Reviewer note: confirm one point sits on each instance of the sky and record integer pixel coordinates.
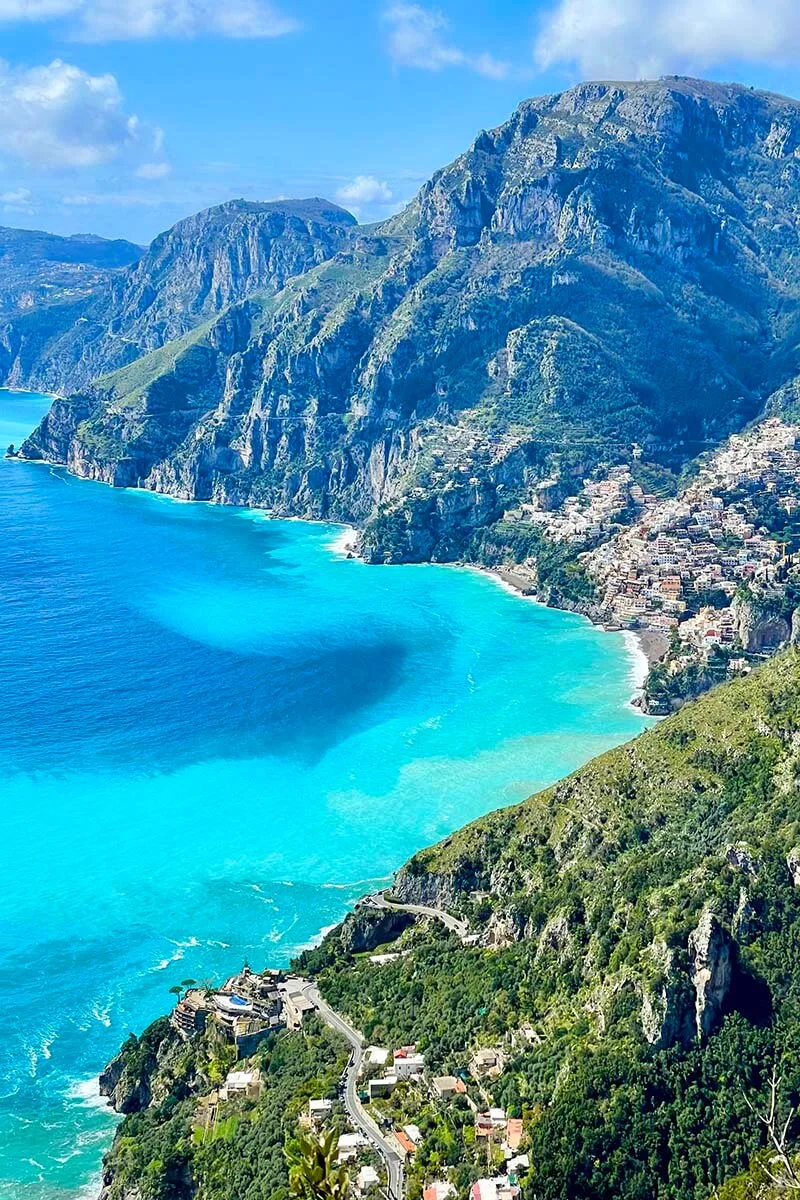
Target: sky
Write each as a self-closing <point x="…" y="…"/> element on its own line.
<point x="119" y="117"/>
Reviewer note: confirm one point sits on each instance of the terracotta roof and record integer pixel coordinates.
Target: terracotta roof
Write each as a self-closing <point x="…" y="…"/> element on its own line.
<point x="405" y="1141"/>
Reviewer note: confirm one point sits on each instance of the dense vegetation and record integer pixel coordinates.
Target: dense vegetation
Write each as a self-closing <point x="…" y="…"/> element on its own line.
<point x="638" y="967"/>
<point x="169" y="1151"/>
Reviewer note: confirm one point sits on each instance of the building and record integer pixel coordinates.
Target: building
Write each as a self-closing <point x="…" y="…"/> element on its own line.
<point x="483" y="1125"/>
<point x="241" y="1083"/>
<point x="413" y="1133"/>
<point x="319" y="1111"/>
<point x="405" y="1145"/>
<point x="440" y="1189"/>
<point x="376" y="1056"/>
<point x="190" y="1014"/>
<point x="349" y="1146"/>
<point x="410" y="1066"/>
<point x="448" y="1086"/>
<point x="296" y="1005"/>
<point x="500" y="1188"/>
<point x="486" y="1062"/>
<point x="367" y="1178"/>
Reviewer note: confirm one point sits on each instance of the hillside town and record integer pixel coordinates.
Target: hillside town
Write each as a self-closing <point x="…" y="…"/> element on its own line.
<point x="676" y="564"/>
<point x="390" y="1105"/>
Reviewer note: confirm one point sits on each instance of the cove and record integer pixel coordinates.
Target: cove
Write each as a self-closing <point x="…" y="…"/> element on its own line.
<point x="215" y="734"/>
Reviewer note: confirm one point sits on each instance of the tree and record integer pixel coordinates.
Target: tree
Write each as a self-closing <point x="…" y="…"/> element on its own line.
<point x="781" y="1170"/>
<point x="313" y="1174"/>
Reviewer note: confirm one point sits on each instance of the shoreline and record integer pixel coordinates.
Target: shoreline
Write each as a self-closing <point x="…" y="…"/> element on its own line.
<point x="645" y="647"/>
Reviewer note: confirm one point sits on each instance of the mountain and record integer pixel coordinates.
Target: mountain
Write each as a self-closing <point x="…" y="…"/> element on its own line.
<point x="631" y="962"/>
<point x="40" y="268"/>
<point x="188" y="274"/>
<point x="612" y="268"/>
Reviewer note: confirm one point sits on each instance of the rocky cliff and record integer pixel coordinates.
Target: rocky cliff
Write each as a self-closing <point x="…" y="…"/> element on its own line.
<point x="190" y="273"/>
<point x="615" y="264"/>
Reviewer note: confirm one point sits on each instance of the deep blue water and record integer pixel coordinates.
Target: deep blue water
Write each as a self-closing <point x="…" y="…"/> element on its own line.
<point x="215" y="733"/>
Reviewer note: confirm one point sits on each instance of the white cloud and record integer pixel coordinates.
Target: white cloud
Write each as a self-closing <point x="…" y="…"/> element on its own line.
<point x="417" y="38"/>
<point x="61" y="116"/>
<point x="365" y="189"/>
<point x="129" y="20"/>
<point x="646" y="38"/>
<point x="19" y="197"/>
<point x="154" y="170"/>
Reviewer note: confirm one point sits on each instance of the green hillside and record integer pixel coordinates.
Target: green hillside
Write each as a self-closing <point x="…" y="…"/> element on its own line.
<point x="633" y="957"/>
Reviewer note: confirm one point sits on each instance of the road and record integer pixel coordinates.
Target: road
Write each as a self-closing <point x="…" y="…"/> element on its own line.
<point x="380" y="900"/>
<point x="355" y="1110"/>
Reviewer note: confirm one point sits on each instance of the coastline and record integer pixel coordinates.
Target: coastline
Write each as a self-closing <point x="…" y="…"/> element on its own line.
<point x="645" y="646"/>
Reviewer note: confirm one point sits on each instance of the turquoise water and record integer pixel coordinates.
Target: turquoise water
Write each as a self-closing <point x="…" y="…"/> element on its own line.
<point x="215" y="733"/>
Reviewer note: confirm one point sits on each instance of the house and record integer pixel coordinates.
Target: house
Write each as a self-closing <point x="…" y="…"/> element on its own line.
<point x="498" y="1118"/>
<point x="488" y="1061"/>
<point x="349" y="1146"/>
<point x="408" y="1066"/>
<point x="241" y="1083"/>
<point x="367" y="1178"/>
<point x="413" y="1133"/>
<point x="319" y="1110"/>
<point x="405" y="1144"/>
<point x="448" y="1086"/>
<point x="381" y="1088"/>
<point x="514" y="1133"/>
<point x="440" y="1189"/>
<point x="295" y="1004"/>
<point x="494" y="1189"/>
<point x="483" y="1125"/>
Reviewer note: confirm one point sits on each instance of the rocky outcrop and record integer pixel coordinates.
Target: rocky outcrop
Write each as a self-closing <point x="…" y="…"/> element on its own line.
<point x="188" y="275"/>
<point x="741" y="858"/>
<point x="711" y="971"/>
<point x="793" y="863"/>
<point x="139" y="1074"/>
<point x="366" y="928"/>
<point x="415" y="884"/>
<point x="758" y="627"/>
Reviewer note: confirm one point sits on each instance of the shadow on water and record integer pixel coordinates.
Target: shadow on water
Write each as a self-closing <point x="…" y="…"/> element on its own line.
<point x="202" y="703"/>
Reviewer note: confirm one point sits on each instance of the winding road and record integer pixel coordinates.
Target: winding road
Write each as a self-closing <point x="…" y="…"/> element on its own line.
<point x="380" y="900"/>
<point x="355" y="1110"/>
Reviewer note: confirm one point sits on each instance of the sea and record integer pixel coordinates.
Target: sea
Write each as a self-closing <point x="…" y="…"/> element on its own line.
<point x="217" y="731"/>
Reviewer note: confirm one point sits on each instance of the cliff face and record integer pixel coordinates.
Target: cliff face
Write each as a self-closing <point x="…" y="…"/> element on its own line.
<point x="190" y="273"/>
<point x="615" y="264"/>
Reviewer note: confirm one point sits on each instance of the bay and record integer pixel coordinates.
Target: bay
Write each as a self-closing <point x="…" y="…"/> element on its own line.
<point x="216" y="732"/>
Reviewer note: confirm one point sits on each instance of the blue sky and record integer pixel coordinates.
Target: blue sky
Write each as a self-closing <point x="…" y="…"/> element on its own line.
<point x="120" y="116"/>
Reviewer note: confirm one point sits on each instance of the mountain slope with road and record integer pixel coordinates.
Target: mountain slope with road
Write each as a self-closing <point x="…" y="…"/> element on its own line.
<point x="615" y="963"/>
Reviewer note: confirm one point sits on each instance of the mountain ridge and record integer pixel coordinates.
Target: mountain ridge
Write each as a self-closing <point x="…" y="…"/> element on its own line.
<point x="471" y="326"/>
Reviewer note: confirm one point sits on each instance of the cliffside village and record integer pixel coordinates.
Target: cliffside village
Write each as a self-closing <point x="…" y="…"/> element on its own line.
<point x="392" y="1086"/>
<point x="656" y="560"/>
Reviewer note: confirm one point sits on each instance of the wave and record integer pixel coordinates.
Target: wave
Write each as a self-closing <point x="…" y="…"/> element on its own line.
<point x="317" y="938"/>
<point x="180" y="951"/>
